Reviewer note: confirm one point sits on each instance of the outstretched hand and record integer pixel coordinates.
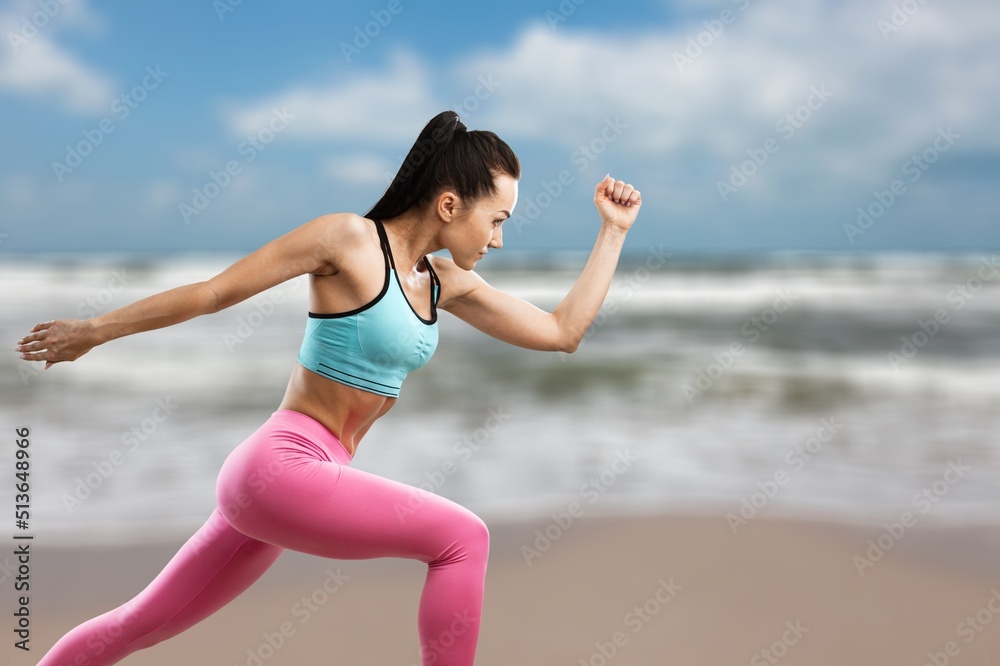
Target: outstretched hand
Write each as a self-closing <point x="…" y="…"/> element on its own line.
<point x="57" y="340"/>
<point x="617" y="202"/>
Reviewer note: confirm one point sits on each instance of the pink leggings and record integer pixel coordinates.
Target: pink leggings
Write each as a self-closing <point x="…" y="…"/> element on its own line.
<point x="289" y="485"/>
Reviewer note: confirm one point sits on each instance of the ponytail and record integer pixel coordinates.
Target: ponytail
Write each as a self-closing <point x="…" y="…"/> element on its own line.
<point x="447" y="156"/>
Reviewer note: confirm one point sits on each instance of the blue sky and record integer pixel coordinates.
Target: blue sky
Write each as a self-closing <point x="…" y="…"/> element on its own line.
<point x="746" y="125"/>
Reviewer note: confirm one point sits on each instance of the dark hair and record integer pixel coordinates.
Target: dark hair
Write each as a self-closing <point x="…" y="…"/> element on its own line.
<point x="447" y="155"/>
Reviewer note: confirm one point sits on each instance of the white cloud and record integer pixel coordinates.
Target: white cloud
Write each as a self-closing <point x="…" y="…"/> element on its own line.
<point x="558" y="87"/>
<point x="360" y="169"/>
<point x="33" y="64"/>
<point x="387" y="107"/>
<point x="889" y="95"/>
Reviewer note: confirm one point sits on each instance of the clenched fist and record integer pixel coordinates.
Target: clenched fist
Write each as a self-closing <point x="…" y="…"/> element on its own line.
<point x="617" y="202"/>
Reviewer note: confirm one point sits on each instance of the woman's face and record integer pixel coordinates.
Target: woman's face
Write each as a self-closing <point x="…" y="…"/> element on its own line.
<point x="481" y="228"/>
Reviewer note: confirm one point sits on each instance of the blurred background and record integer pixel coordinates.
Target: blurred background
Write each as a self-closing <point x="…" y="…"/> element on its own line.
<point x="802" y="332"/>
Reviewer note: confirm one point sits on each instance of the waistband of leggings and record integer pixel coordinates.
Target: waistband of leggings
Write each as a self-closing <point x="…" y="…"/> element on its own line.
<point x="313" y="429"/>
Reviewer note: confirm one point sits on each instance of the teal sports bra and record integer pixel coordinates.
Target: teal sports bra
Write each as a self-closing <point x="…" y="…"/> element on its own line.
<point x="373" y="347"/>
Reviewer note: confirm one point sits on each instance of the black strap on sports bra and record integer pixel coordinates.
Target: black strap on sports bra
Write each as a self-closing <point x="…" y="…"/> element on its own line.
<point x="435" y="282"/>
<point x="384" y="238"/>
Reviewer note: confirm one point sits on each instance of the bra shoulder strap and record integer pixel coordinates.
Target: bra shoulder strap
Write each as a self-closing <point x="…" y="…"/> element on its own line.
<point x="435" y="281"/>
<point x="386" y="250"/>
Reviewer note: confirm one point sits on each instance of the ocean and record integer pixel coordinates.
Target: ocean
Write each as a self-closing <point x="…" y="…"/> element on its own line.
<point x="851" y="387"/>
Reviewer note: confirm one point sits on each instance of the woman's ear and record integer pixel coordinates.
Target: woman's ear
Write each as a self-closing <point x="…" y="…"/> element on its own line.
<point x="448" y="205"/>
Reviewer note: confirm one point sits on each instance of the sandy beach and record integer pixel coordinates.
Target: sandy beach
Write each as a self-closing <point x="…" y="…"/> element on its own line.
<point x="640" y="590"/>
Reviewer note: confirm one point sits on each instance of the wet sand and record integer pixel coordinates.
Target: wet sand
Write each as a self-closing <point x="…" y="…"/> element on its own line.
<point x="641" y="590"/>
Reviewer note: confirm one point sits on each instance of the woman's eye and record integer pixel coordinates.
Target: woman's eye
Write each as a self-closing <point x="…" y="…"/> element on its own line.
<point x="496" y="223"/>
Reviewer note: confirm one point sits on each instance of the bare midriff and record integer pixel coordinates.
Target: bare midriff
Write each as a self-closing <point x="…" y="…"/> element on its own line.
<point x="347" y="412"/>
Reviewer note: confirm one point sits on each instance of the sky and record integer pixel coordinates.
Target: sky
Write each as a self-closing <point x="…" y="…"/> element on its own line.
<point x="746" y="125"/>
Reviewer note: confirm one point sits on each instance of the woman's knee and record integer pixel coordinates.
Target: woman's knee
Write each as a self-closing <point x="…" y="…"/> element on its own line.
<point x="476" y="532"/>
<point x="467" y="537"/>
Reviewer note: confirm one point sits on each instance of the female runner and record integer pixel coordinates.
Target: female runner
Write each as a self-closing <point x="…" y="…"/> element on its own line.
<point x="374" y="294"/>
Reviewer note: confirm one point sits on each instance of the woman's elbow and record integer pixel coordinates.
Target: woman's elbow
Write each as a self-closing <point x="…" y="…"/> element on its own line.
<point x="568" y="344"/>
<point x="209" y="300"/>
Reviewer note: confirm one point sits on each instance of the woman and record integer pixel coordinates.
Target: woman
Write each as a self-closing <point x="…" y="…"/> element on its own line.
<point x="374" y="295"/>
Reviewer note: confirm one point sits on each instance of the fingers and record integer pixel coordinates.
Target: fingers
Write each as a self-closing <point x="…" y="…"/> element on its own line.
<point x="35" y="356"/>
<point x="619" y="191"/>
<point x="32" y="342"/>
<point x="35" y="344"/>
<point x="52" y="342"/>
<point x="606" y="186"/>
<point x="37" y="333"/>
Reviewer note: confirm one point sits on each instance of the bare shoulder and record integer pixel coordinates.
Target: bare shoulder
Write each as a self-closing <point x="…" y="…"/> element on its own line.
<point x="338" y="236"/>
<point x="456" y="283"/>
<point x="338" y="228"/>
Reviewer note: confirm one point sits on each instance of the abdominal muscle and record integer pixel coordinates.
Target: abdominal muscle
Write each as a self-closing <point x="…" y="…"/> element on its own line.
<point x="346" y="412"/>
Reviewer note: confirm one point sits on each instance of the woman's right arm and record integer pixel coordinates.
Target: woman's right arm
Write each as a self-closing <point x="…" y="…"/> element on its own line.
<point x="313" y="247"/>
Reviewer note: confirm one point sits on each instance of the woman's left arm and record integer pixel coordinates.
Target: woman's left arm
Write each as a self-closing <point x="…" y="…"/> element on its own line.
<point x="514" y="320"/>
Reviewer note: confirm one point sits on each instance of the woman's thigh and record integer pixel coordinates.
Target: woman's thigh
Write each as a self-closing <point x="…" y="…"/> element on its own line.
<point x="290" y="486"/>
<point x="332" y="510"/>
